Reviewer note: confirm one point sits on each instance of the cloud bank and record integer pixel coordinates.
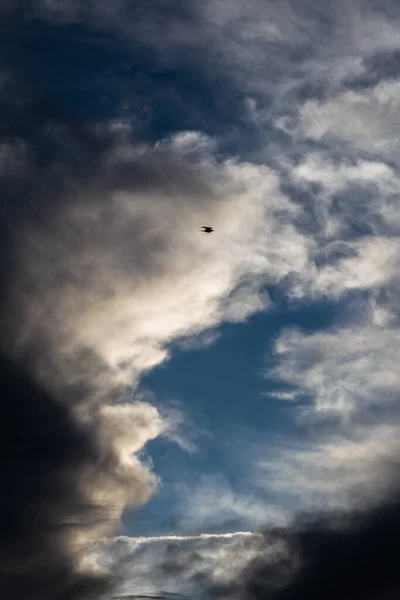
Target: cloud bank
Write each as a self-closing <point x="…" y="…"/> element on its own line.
<point x="103" y="267"/>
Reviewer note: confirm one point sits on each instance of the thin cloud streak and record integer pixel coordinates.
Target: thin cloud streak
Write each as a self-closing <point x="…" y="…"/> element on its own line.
<point x="200" y="536"/>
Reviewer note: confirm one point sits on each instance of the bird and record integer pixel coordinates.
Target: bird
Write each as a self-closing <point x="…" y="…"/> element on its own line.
<point x="207" y="229"/>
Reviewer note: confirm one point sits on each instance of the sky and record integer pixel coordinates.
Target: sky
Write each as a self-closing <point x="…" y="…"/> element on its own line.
<point x="213" y="416"/>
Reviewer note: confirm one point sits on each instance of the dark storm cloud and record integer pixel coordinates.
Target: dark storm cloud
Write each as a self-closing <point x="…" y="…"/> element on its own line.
<point x="379" y="67"/>
<point x="52" y="465"/>
<point x="43" y="455"/>
<point x="351" y="557"/>
<point x="65" y="476"/>
<point x="161" y="92"/>
<point x="48" y="519"/>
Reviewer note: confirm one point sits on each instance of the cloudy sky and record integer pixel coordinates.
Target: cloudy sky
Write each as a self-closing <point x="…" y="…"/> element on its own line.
<point x="179" y="409"/>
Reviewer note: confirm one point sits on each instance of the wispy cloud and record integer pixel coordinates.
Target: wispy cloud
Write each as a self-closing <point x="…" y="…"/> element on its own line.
<point x="349" y="376"/>
<point x="213" y="502"/>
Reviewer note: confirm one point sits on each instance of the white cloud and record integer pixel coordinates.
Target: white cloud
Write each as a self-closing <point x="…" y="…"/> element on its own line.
<point x="368" y="119"/>
<point x="350" y="190"/>
<point x="374" y="265"/>
<point x="349" y="377"/>
<point x="343" y="370"/>
<point x="120" y="478"/>
<point x="317" y="168"/>
<point x="349" y="469"/>
<point x="288" y="396"/>
<point x="127" y="271"/>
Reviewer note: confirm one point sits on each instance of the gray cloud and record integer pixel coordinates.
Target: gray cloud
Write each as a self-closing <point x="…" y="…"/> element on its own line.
<point x="102" y="271"/>
<point x="193" y="566"/>
<point x="69" y="453"/>
<point x="349" y="555"/>
<point x="336" y="555"/>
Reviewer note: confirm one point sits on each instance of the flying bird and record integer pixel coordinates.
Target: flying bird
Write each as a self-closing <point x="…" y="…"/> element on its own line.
<point x="207" y="229"/>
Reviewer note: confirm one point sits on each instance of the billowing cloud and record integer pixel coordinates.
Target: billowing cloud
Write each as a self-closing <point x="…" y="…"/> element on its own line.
<point x="132" y="236"/>
<point x="104" y="266"/>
